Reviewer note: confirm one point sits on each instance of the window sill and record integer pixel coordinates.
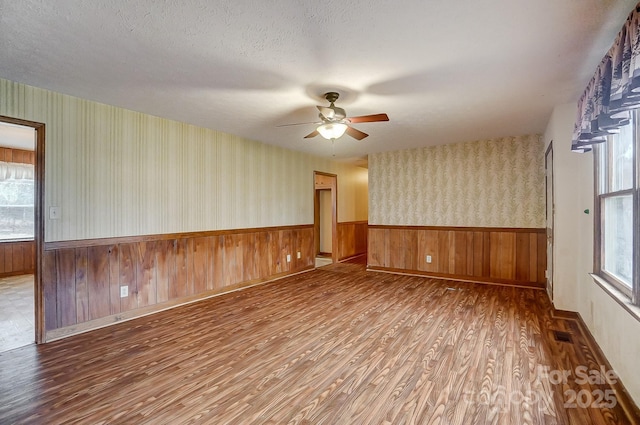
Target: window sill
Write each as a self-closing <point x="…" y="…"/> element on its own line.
<point x="16" y="240"/>
<point x="617" y="295"/>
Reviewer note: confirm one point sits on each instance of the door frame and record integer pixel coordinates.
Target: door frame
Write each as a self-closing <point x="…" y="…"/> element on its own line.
<point x="38" y="235"/>
<point x="549" y="205"/>
<point x="325" y="181"/>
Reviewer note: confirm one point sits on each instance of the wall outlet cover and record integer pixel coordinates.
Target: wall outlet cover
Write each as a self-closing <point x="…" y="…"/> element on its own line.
<point x="124" y="291"/>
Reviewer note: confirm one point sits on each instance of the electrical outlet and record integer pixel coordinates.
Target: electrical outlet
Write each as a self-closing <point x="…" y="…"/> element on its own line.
<point x="124" y="291"/>
<point x="299" y="256"/>
<point x="428" y="259"/>
<point x="288" y="258"/>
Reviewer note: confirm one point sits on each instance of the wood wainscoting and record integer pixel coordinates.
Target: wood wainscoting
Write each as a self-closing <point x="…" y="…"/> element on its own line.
<point x="352" y="239"/>
<point x="515" y="256"/>
<point x="82" y="279"/>
<point x="17" y="258"/>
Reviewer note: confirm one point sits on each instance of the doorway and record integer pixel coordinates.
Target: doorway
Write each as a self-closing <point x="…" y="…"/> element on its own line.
<point x="548" y="165"/>
<point x="325" y="217"/>
<point x="326" y="245"/>
<point x="22" y="156"/>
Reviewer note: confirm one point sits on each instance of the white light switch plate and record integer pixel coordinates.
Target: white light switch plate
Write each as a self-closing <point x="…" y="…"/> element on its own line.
<point x="124" y="291"/>
<point x="54" y="213"/>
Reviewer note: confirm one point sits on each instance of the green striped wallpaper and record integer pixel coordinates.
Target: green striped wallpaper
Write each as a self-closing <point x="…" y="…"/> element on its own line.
<point x="115" y="172"/>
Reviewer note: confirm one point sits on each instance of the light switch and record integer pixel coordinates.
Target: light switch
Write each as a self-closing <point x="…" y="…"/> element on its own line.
<point x="54" y="213"/>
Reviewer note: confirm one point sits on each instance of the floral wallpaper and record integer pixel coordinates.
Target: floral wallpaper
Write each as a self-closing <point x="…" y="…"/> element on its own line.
<point x="487" y="183"/>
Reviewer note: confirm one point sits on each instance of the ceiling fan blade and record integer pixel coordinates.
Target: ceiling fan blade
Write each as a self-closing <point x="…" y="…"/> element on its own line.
<point x="326" y="112"/>
<point x="369" y="118"/>
<point x="299" y="123"/>
<point x="356" y="134"/>
<point x="314" y="133"/>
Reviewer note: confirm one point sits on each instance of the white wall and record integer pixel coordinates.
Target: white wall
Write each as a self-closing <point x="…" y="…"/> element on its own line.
<point x="615" y="330"/>
<point x="115" y="172"/>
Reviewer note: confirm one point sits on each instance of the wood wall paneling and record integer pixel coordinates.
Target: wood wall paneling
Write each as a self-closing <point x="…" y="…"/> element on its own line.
<point x="179" y="288"/>
<point x="377" y="248"/>
<point x="127" y="273"/>
<point x="523" y="257"/>
<point x="17" y="258"/>
<point x="263" y="254"/>
<point x="82" y="284"/>
<point x="50" y="289"/>
<point x="165" y="269"/>
<point x="99" y="292"/>
<point x="114" y="278"/>
<point x="541" y="258"/>
<point x="352" y="239"/>
<point x="146" y="273"/>
<point x="444" y="251"/>
<point x="249" y="251"/>
<point x="503" y="255"/>
<point x="198" y="269"/>
<point x="217" y="252"/>
<point x="82" y="292"/>
<point x="285" y="248"/>
<point x="66" y="287"/>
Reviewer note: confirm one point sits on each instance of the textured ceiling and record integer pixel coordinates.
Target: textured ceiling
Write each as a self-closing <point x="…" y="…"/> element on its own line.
<point x="444" y="71"/>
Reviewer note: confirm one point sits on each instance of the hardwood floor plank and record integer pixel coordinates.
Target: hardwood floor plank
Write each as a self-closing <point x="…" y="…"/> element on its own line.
<point x="332" y="346"/>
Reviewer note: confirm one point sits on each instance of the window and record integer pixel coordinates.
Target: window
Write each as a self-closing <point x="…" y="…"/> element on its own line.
<point x="616" y="204"/>
<point x="16" y="201"/>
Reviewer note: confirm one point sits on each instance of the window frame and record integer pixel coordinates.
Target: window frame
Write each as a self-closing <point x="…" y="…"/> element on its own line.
<point x="600" y="194"/>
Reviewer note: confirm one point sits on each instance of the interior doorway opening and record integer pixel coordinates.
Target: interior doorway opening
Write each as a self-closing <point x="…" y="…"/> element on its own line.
<point x="21" y="232"/>
<point x="325" y="223"/>
<point x="548" y="163"/>
<point x="326" y="246"/>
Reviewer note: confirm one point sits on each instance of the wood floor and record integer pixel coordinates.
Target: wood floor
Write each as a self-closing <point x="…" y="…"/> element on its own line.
<point x="17" y="327"/>
<point x="337" y="345"/>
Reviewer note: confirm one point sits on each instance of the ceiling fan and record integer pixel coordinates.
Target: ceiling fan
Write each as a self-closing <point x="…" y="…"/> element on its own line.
<point x="334" y="121"/>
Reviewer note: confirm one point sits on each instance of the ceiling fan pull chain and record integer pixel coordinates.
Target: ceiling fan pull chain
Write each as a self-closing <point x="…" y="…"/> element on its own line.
<point x="333" y="147"/>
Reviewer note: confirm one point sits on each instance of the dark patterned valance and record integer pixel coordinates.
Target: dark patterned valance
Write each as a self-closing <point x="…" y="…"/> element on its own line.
<point x="613" y="91"/>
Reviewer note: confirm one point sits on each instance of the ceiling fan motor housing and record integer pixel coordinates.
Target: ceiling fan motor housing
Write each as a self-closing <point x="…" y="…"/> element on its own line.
<point x="331" y="96"/>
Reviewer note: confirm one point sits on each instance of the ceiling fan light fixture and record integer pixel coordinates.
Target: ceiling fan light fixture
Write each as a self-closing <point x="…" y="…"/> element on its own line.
<point x="332" y="130"/>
